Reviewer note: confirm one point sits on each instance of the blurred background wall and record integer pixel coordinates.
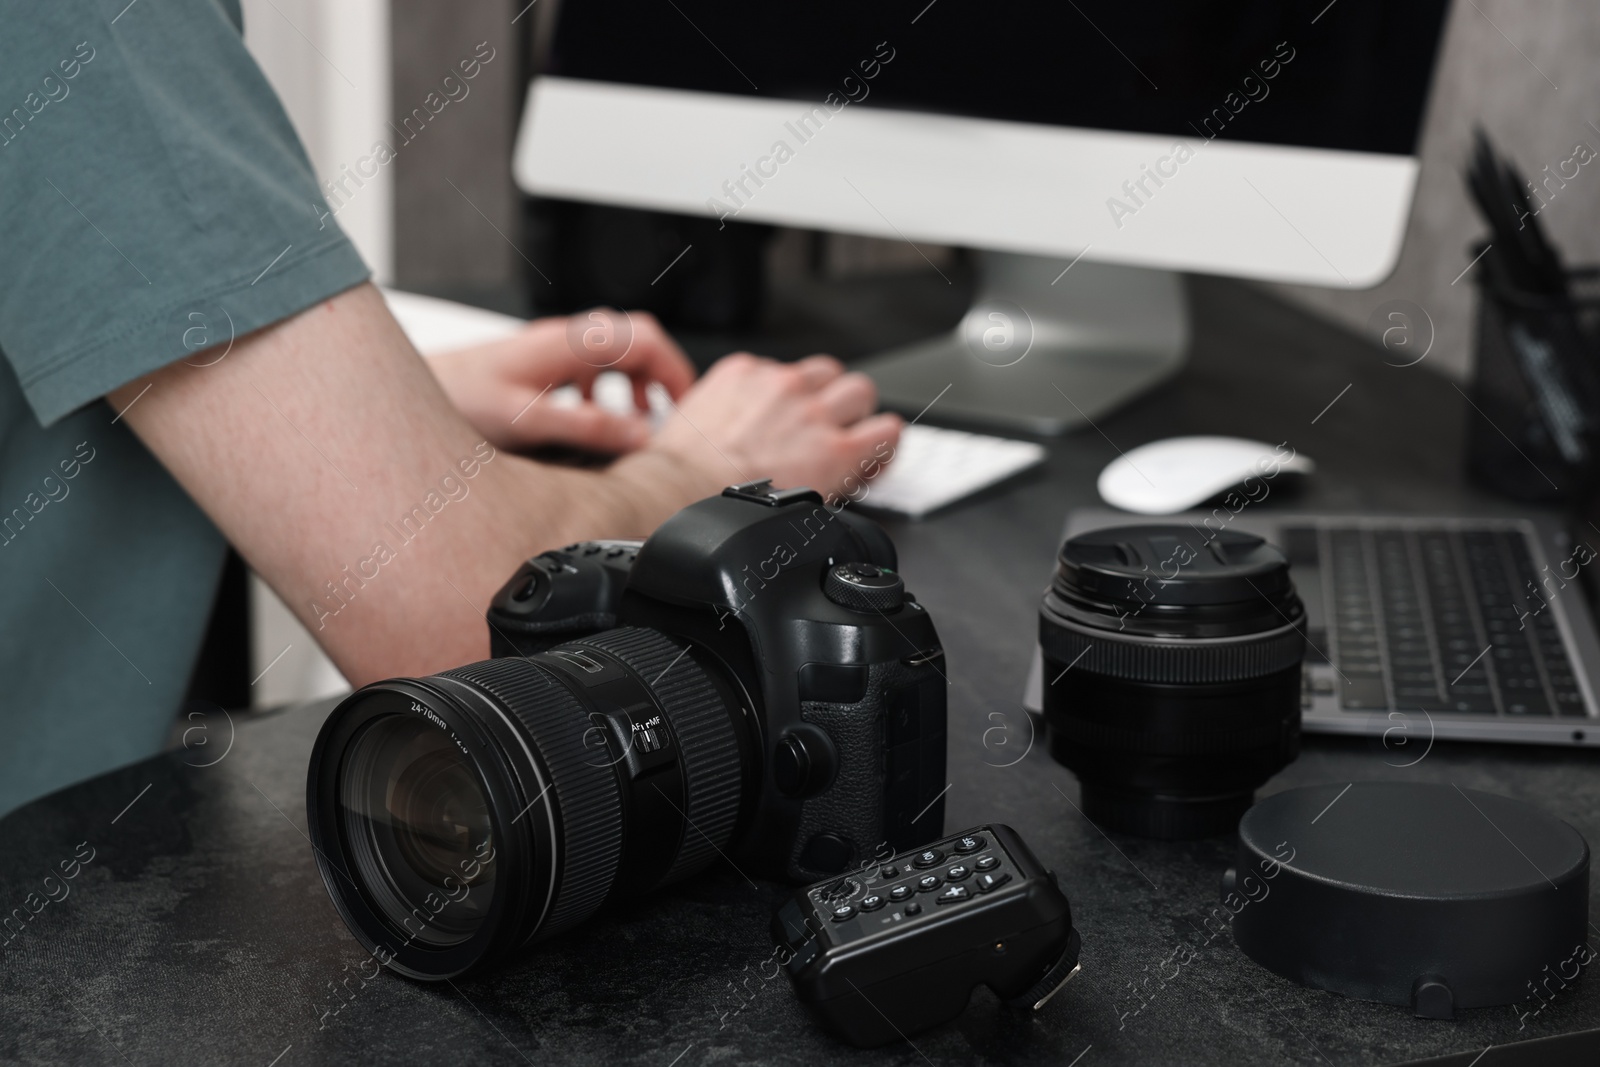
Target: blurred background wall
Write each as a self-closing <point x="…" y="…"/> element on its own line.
<point x="330" y="62"/>
<point x="1525" y="70"/>
<point x="457" y="215"/>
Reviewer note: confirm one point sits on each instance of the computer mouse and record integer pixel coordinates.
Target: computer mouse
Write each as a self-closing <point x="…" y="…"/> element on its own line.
<point x="1173" y="475"/>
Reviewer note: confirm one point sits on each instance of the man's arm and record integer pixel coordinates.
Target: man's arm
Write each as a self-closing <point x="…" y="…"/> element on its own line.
<point x="328" y="454"/>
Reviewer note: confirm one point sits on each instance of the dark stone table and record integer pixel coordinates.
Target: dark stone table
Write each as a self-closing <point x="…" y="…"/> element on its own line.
<point x="195" y="929"/>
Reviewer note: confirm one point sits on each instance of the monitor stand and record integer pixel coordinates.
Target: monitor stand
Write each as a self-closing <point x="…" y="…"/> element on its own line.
<point x="1040" y="350"/>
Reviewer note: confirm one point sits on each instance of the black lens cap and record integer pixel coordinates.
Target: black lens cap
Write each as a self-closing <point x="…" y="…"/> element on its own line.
<point x="1432" y="897"/>
<point x="1173" y="564"/>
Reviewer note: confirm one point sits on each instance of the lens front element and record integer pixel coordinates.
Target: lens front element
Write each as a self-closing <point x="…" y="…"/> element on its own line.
<point x="417" y="819"/>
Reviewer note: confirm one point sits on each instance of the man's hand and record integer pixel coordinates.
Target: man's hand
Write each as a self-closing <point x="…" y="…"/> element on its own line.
<point x="806" y="423"/>
<point x="495" y="385"/>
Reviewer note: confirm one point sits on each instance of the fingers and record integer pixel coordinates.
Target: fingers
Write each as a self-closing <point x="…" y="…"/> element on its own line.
<point x="803" y="423"/>
<point x="584" y="426"/>
<point x="818" y="371"/>
<point x="541" y="353"/>
<point x="877" y="438"/>
<point x="649" y="354"/>
<point x="848" y="398"/>
<point x="596" y="340"/>
<point x="493" y="383"/>
<point x="866" y="449"/>
<point x="805" y="375"/>
<point x="661" y="358"/>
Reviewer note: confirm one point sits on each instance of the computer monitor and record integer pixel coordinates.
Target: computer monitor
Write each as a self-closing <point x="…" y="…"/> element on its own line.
<point x="1089" y="149"/>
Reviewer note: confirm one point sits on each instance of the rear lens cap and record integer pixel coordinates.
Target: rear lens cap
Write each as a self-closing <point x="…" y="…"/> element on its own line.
<point x="1431" y="897"/>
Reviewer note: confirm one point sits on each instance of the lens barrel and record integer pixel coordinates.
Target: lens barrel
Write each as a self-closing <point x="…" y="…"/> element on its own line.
<point x="461" y="816"/>
<point x="1171" y="675"/>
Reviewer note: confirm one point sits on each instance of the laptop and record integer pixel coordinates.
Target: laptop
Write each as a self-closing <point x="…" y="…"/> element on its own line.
<point x="1458" y="628"/>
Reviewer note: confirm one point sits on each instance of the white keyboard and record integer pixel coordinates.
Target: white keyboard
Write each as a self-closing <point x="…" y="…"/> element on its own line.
<point x="934" y="467"/>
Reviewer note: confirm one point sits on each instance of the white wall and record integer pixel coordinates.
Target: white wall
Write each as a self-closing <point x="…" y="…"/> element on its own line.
<point x="329" y="62"/>
<point x="1525" y="70"/>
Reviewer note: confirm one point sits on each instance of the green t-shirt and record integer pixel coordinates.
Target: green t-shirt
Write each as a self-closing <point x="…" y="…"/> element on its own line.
<point x="154" y="202"/>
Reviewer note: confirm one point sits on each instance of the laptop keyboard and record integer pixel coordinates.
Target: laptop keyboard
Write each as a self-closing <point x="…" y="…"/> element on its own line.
<point x="1437" y="619"/>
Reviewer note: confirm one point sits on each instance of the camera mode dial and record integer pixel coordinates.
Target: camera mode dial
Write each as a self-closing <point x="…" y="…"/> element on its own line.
<point x="864" y="587"/>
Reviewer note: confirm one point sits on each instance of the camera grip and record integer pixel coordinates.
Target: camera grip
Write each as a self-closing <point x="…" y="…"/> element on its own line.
<point x="886" y="795"/>
<point x="559" y="595"/>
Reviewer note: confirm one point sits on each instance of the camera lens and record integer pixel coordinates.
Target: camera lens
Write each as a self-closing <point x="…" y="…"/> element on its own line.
<point x="420" y="819"/>
<point x="461" y="816"/>
<point x="1171" y="674"/>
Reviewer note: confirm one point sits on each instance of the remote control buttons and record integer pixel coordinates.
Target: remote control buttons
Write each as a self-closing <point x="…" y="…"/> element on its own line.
<point x="843" y="912"/>
<point x="1010" y="926"/>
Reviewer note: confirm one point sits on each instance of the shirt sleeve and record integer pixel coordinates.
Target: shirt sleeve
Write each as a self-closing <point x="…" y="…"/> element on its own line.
<point x="154" y="199"/>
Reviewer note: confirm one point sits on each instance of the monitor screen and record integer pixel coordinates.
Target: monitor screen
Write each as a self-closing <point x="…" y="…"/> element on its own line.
<point x="1350" y="74"/>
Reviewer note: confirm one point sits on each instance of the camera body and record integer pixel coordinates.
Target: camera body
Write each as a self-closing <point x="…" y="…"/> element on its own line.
<point x="797" y="608"/>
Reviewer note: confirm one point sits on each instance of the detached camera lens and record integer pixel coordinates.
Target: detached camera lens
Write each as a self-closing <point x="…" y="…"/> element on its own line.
<point x="461" y="816"/>
<point x="1171" y="674"/>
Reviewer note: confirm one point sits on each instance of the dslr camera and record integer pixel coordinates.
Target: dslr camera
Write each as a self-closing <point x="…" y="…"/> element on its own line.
<point x="752" y="681"/>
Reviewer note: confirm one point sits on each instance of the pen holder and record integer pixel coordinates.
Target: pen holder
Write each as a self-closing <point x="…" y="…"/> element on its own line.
<point x="1535" y="387"/>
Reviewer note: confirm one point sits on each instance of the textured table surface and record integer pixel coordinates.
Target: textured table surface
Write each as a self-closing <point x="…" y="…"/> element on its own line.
<point x="199" y="931"/>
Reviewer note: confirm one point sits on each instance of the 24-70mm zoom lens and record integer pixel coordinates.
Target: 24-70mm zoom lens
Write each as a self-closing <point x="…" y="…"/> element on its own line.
<point x="461" y="816"/>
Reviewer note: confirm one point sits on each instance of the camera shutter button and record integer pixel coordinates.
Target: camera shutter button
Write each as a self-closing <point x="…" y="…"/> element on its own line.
<point x="864" y="587"/>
